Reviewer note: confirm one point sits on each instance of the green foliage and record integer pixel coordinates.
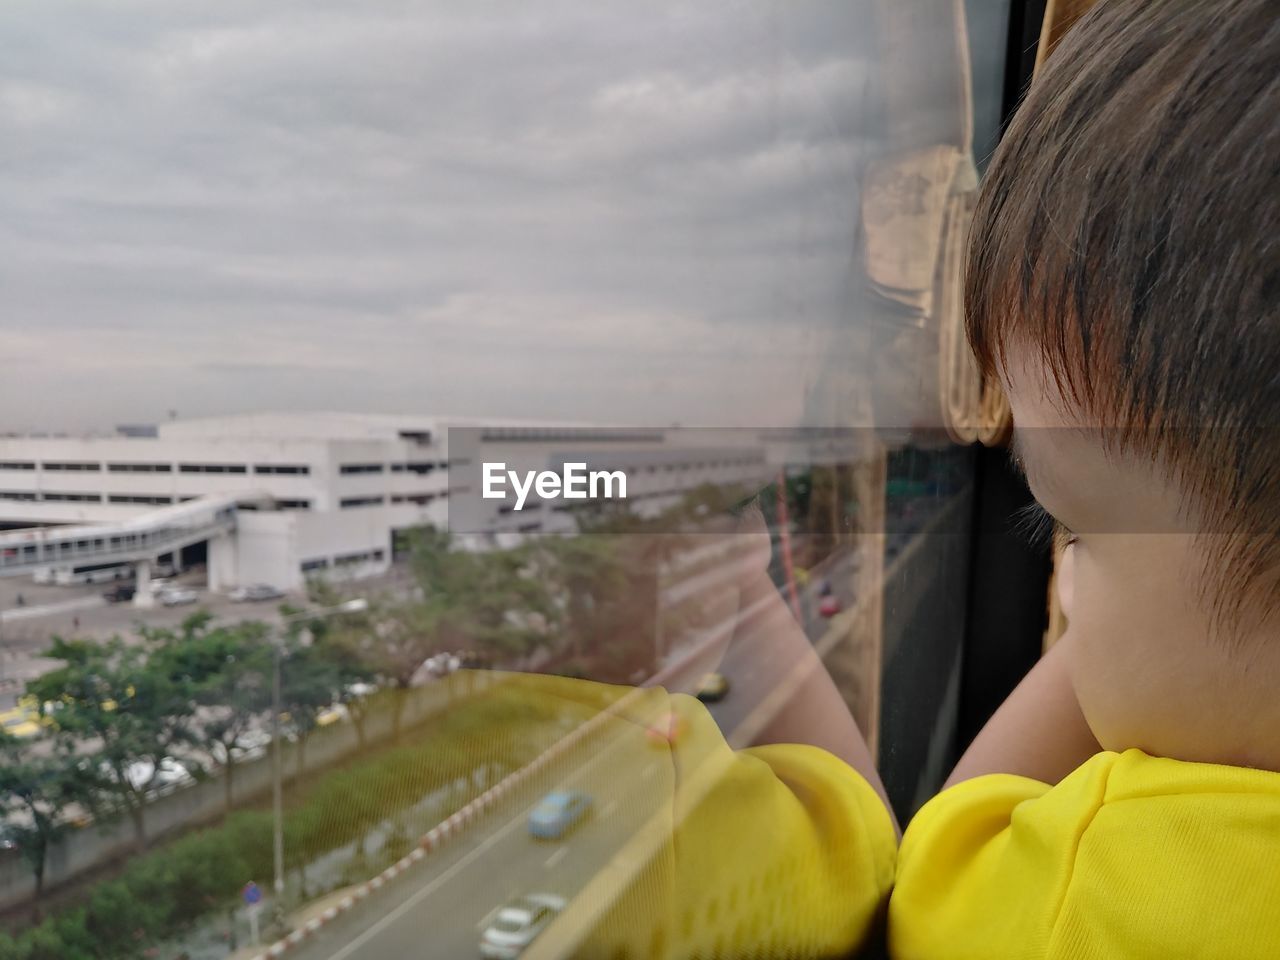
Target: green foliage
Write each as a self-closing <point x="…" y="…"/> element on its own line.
<point x="161" y="893"/>
<point x="109" y="697"/>
<point x="40" y="788"/>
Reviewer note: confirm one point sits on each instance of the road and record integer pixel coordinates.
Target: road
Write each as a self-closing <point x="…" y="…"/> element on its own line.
<point x="442" y="905"/>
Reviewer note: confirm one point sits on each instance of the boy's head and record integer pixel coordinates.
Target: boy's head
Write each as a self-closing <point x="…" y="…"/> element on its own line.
<point x="1123" y="283"/>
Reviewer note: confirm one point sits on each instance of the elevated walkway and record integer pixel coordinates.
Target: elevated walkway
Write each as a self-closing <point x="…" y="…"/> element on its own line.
<point x="140" y="539"/>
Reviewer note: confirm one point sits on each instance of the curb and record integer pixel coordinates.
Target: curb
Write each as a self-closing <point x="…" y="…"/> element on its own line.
<point x="438" y="835"/>
<point x="441" y="832"/>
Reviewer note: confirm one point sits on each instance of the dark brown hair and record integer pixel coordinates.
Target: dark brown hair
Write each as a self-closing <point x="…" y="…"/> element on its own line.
<point x="1128" y="233"/>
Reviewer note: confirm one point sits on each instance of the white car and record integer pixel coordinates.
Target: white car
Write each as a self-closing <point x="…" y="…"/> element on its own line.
<point x="251" y="744"/>
<point x="172" y="774"/>
<point x="513" y="927"/>
<point x="255" y="593"/>
<point x="177" y="596"/>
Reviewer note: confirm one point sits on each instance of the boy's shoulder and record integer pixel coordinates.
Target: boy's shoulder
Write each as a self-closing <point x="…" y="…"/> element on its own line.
<point x="1130" y="855"/>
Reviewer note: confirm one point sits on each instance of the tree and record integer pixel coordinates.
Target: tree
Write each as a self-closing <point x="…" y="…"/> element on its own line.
<point x="131" y="718"/>
<point x="464" y="600"/>
<point x="35" y="792"/>
<point x="310" y="680"/>
<point x="227" y="674"/>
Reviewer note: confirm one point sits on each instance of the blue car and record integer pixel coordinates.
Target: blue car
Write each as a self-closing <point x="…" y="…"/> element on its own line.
<point x="558" y="813"/>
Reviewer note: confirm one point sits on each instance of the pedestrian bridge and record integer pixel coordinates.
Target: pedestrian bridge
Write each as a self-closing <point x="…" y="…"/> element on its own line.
<point x="139" y="540"/>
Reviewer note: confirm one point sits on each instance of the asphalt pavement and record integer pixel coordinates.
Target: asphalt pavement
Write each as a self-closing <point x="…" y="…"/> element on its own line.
<point x="441" y="906"/>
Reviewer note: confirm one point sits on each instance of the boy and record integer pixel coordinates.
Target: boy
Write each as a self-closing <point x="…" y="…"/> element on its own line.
<point x="1122" y="284"/>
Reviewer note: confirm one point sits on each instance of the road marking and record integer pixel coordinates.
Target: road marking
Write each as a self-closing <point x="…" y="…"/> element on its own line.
<point x="389" y="918"/>
<point x="609" y="807"/>
<point x="557" y="856"/>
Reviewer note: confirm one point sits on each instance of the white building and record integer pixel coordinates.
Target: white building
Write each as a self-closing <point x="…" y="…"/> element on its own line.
<point x="324" y="494"/>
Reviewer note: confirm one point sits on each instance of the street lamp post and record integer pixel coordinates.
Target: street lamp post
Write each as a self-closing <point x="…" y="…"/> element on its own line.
<point x="277" y="767"/>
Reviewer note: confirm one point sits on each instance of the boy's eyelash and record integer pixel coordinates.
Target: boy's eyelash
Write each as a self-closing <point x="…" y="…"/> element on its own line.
<point x="1041" y="529"/>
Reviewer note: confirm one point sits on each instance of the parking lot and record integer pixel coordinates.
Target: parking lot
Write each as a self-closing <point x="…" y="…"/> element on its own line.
<point x="46" y="611"/>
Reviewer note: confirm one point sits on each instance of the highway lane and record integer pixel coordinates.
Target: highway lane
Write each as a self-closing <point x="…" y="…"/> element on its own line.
<point x="440" y="906"/>
<point x="752" y="668"/>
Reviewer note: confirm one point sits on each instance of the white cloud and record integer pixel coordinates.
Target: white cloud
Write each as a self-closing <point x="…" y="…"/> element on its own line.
<point x="557" y="208"/>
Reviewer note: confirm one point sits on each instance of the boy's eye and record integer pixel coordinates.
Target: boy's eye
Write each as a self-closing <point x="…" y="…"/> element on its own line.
<point x="1041" y="529"/>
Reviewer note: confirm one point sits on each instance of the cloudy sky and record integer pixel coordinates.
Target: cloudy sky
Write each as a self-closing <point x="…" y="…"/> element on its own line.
<point x="637" y="212"/>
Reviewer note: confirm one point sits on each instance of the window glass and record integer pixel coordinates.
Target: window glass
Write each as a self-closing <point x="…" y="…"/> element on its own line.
<point x="513" y="359"/>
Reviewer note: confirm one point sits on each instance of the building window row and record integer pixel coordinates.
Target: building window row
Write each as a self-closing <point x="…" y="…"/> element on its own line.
<point x="420" y="467"/>
<point x="74" y="466"/>
<point x="140" y="468"/>
<point x="154" y="501"/>
<point x="316" y="564"/>
<point x="347" y="469"/>
<point x="367" y="556"/>
<point x="293" y="504"/>
<point x="17" y="495"/>
<point x="282" y="469"/>
<point x="212" y="468"/>
<point x="17" y="465"/>
<point x="73" y="498"/>
<point x="421" y="499"/>
<point x="348" y="502"/>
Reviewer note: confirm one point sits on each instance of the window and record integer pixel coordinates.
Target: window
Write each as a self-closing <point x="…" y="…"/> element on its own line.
<point x="361" y="256"/>
<point x="419" y="499"/>
<point x="420" y="467"/>
<point x="140" y="498"/>
<point x="282" y="469"/>
<point x="349" y="502"/>
<point x="139" y="468"/>
<point x="74" y="466"/>
<point x="363" y="556"/>
<point x="212" y="468"/>
<point x="73" y="497"/>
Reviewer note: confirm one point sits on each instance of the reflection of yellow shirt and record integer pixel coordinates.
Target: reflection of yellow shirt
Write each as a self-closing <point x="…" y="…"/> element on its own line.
<point x="772" y="852"/>
<point x="1131" y="856"/>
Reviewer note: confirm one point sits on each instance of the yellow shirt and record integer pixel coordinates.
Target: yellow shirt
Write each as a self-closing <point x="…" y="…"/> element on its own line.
<point x="774" y="853"/>
<point x="1131" y="856"/>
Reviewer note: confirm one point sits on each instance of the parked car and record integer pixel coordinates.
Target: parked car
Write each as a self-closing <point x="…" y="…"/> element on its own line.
<point x="255" y="593"/>
<point x="120" y="593"/>
<point x="558" y="813"/>
<point x="334" y="713"/>
<point x="514" y="926"/>
<point x="177" y="596"/>
<point x="252" y="744"/>
<point x="172" y="774"/>
<point x="20" y="724"/>
<point x="713" y="687"/>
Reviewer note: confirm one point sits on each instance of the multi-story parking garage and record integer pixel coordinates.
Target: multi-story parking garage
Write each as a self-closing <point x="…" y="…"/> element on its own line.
<point x="288" y="496"/>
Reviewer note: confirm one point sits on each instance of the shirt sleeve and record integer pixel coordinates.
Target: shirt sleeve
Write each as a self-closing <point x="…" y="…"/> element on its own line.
<point x="984" y="866"/>
<point x="771" y="852"/>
